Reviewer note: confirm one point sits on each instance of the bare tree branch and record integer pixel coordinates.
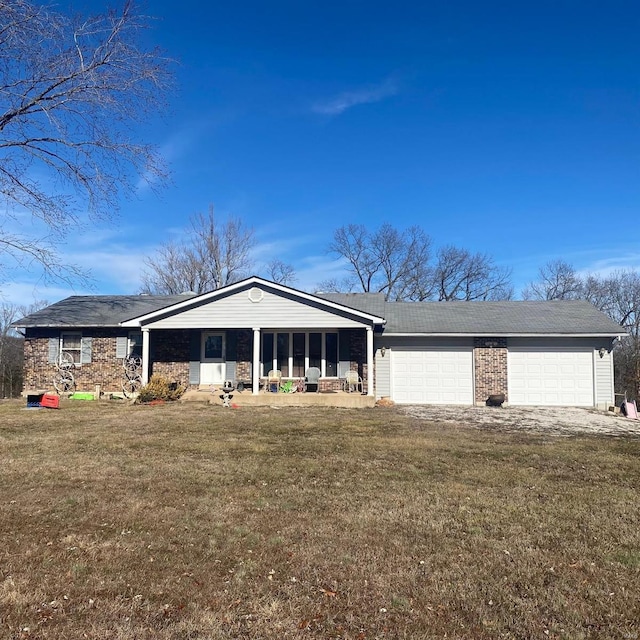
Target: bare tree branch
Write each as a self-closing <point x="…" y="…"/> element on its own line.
<point x="386" y="261"/>
<point x="281" y="272"/>
<point x="71" y="88"/>
<point x="462" y="275"/>
<point x="213" y="255"/>
<point x="557" y="280"/>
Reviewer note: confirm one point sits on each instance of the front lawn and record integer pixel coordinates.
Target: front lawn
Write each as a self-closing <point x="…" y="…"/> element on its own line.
<point x="191" y="522"/>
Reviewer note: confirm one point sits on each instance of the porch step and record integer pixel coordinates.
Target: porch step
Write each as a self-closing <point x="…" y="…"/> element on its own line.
<point x="201" y="395"/>
<point x="247" y="399"/>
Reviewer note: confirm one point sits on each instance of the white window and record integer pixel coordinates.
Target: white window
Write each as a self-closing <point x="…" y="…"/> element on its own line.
<point x="134" y="344"/>
<point x="71" y="347"/>
<point x="294" y="352"/>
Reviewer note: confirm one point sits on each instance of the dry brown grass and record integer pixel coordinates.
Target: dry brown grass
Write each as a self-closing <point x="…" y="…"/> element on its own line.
<point x="187" y="522"/>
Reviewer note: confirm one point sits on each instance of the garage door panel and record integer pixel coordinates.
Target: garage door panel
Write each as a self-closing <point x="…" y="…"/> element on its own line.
<point x="436" y="376"/>
<point x="560" y="377"/>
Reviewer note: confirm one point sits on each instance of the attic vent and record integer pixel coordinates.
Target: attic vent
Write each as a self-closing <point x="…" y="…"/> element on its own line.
<point x="255" y="294"/>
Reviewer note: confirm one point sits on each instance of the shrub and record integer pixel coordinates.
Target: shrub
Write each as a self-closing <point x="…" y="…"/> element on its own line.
<point x="159" y="388"/>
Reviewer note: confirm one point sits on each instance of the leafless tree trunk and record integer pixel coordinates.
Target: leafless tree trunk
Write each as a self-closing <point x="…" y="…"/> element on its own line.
<point x="70" y="89"/>
<point x="211" y="256"/>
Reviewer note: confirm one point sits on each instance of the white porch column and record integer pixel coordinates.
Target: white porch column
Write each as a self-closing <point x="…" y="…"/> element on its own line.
<point x="370" y="372"/>
<point x="145" y="355"/>
<point x="255" y="377"/>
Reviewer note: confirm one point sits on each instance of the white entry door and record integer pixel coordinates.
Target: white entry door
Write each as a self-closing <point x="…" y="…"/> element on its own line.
<point x="212" y="359"/>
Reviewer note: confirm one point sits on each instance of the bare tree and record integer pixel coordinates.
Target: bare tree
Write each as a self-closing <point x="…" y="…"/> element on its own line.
<point x="281" y="272"/>
<point x="12" y="347"/>
<point x="211" y="256"/>
<point x="71" y="87"/>
<point x="618" y="295"/>
<point x="386" y="261"/>
<point x="462" y="275"/>
<point x="335" y="285"/>
<point x="557" y="280"/>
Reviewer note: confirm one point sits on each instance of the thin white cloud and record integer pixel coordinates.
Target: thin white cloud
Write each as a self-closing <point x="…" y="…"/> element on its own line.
<point x="608" y="265"/>
<point x="349" y="99"/>
<point x="173" y="149"/>
<point x="316" y="269"/>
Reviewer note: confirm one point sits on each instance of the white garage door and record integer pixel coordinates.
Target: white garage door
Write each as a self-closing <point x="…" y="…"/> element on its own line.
<point x="432" y="376"/>
<point x="560" y="377"/>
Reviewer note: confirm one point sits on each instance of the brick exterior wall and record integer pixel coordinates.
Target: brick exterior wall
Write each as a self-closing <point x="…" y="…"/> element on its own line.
<point x="490" y="356"/>
<point x="169" y="352"/>
<point x="244" y="354"/>
<point x="103" y="369"/>
<point x="169" y="355"/>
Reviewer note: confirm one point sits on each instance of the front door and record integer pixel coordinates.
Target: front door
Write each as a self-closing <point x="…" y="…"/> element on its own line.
<point x="212" y="366"/>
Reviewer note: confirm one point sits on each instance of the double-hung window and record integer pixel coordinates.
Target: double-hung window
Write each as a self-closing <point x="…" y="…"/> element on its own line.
<point x="71" y="347"/>
<point x="134" y="344"/>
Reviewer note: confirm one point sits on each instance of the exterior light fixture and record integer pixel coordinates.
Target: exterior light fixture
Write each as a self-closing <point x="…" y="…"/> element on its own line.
<point x="383" y="350"/>
<point x="602" y="351"/>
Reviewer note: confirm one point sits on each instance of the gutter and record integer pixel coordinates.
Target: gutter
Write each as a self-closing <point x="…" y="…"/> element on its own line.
<point x="493" y="334"/>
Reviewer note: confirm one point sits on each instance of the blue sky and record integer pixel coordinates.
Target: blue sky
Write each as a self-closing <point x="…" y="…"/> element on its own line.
<point x="510" y="128"/>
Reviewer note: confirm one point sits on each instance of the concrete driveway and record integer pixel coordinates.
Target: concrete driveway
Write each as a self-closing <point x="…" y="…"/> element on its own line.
<point x="559" y="421"/>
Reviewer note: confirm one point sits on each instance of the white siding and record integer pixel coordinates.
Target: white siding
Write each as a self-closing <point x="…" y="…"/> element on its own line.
<point x="604" y="380"/>
<point x="383" y="374"/>
<point x="272" y="312"/>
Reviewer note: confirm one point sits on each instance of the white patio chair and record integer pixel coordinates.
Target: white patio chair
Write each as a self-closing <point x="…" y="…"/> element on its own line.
<point x="352" y="382"/>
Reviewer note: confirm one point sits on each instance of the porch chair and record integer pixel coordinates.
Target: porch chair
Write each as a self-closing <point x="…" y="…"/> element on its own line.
<point x="273" y="380"/>
<point x="312" y="379"/>
<point x="352" y="382"/>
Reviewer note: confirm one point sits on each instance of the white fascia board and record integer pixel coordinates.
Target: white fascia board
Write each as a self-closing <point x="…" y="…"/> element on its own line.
<point x="131" y="323"/>
<point x="138" y="321"/>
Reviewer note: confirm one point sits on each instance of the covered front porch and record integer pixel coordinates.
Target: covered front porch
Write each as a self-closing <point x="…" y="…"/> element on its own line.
<point x="202" y="359"/>
<point x="245" y="332"/>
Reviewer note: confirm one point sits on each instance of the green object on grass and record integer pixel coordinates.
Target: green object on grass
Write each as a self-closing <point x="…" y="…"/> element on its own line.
<point x="82" y="396"/>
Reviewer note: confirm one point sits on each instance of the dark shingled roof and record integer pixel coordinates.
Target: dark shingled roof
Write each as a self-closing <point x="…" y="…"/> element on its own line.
<point x="565" y="317"/>
<point x="97" y="311"/>
<point x="515" y="317"/>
